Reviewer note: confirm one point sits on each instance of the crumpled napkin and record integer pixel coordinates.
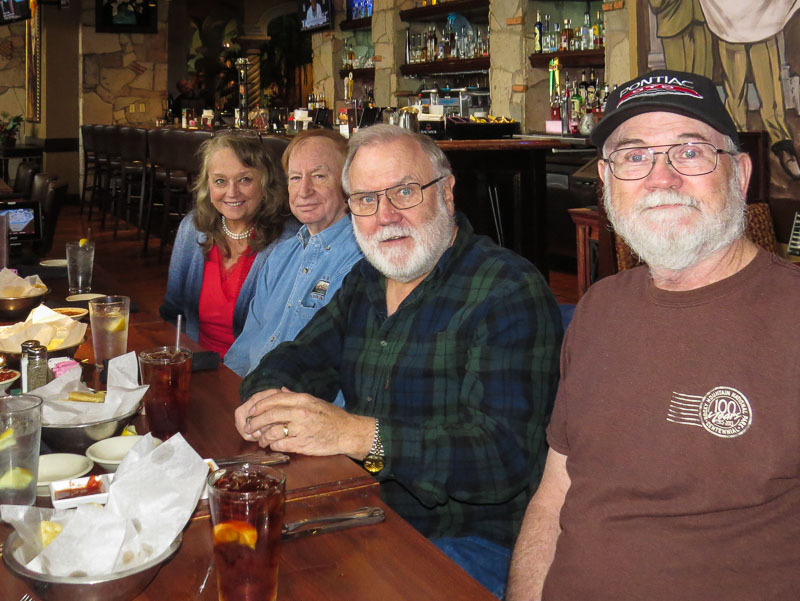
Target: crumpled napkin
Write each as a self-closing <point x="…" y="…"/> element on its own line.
<point x="153" y="495"/>
<point x="51" y="329"/>
<point x="123" y="394"/>
<point x="13" y="286"/>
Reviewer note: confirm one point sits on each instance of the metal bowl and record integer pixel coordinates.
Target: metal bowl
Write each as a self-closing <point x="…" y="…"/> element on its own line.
<point x="76" y="438"/>
<point x="12" y="359"/>
<point x="12" y="308"/>
<point x="120" y="586"/>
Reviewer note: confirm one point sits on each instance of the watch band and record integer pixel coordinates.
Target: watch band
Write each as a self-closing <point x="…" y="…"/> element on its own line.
<point x="374" y="461"/>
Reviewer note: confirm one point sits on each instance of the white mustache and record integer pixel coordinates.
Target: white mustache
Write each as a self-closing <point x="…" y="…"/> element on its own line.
<point x="394" y="231"/>
<point x="660" y="199"/>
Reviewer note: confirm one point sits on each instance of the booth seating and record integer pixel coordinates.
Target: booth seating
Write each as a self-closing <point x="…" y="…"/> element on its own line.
<point x="23" y="181"/>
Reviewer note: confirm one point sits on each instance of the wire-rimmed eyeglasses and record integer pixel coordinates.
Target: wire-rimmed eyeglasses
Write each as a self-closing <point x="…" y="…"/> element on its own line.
<point x="402" y="197"/>
<point x="689" y="158"/>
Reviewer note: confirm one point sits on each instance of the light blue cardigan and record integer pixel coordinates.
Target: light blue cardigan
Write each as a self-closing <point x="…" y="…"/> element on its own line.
<point x="186" y="268"/>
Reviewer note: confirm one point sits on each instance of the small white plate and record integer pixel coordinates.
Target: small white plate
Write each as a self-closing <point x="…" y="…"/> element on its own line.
<point x="86" y="296"/>
<point x="9" y="380"/>
<point x="53" y="263"/>
<point x="75" y="313"/>
<point x="60" y="466"/>
<point x="78" y="483"/>
<point x="110" y="452"/>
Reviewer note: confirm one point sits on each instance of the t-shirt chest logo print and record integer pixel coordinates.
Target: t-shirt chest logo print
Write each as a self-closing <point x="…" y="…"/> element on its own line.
<point x="723" y="411"/>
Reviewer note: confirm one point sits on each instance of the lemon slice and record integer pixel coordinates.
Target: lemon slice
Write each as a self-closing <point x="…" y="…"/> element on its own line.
<point x="16" y="478"/>
<point x="129" y="431"/>
<point x="7" y="439"/>
<point x="117" y="325"/>
<point x="82" y="242"/>
<point x="48" y="531"/>
<point x="236" y="531"/>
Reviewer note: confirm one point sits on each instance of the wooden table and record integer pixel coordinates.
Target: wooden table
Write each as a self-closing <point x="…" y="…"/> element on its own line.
<point x="387" y="561"/>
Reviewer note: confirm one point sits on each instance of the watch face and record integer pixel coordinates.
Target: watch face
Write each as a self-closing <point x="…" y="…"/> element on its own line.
<point x="373" y="463"/>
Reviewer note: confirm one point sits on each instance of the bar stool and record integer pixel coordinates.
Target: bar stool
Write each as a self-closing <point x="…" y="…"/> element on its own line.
<point x="100" y="167"/>
<point x="163" y="148"/>
<point x="177" y="190"/>
<point x="133" y="156"/>
<point x="112" y="190"/>
<point x="89" y="162"/>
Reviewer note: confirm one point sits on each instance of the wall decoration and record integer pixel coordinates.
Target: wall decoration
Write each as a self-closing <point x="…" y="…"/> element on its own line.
<point x="126" y="16"/>
<point x="33" y="64"/>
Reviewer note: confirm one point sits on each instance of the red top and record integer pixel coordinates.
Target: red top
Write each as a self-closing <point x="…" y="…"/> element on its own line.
<point x="218" y="299"/>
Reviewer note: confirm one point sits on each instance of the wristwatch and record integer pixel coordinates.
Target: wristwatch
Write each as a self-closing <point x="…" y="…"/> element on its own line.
<point x="374" y="461"/>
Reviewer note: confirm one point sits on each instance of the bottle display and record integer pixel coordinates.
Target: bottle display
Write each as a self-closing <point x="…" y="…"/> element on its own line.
<point x="450" y="40"/>
<point x="559" y="35"/>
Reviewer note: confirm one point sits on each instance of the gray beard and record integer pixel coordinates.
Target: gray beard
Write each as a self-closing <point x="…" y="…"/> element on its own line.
<point x="664" y="244"/>
<point x="431" y="239"/>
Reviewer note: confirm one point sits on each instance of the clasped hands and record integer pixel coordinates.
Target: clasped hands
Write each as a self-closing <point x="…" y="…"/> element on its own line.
<point x="295" y="422"/>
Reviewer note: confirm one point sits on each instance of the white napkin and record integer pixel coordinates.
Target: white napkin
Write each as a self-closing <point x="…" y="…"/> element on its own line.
<point x="13" y="286"/>
<point x="51" y="329"/>
<point x="123" y="394"/>
<point x="152" y="497"/>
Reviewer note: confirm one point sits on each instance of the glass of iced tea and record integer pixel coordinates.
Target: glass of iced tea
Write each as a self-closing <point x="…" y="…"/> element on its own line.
<point x="246" y="504"/>
<point x="20" y="435"/>
<point x="167" y="370"/>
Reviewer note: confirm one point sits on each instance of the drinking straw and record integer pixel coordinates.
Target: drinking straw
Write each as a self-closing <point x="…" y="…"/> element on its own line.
<point x="178" y="333"/>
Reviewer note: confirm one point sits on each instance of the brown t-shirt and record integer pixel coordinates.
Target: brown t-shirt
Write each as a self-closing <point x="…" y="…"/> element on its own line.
<point x="679" y="414"/>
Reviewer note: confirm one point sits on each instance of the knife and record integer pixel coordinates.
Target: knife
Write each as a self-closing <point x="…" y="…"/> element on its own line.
<point x="313" y="526"/>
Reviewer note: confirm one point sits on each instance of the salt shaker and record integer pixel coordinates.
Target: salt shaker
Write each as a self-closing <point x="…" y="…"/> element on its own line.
<point x="23" y="362"/>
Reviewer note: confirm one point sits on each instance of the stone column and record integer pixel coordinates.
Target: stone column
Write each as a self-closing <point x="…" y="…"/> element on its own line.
<point x="389" y="40"/>
<point x="510" y="43"/>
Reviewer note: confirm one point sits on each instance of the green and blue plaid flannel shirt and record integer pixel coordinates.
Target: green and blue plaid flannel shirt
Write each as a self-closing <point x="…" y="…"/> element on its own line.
<point x="462" y="376"/>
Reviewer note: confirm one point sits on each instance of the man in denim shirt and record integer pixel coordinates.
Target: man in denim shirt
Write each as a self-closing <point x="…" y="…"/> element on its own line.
<point x="304" y="272"/>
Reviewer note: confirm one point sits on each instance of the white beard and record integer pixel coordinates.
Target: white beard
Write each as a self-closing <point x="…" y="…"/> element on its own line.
<point x="431" y="239"/>
<point x="662" y="241"/>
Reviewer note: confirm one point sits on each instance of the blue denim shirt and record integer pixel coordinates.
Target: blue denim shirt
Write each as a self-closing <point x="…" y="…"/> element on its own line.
<point x="319" y="264"/>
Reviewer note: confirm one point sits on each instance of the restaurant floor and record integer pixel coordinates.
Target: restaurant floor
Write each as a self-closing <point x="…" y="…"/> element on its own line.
<point x="146" y="277"/>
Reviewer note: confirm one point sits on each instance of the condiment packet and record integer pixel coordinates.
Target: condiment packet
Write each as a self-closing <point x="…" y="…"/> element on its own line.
<point x="151" y="498"/>
<point x="53" y="330"/>
<point x="123" y="394"/>
<point x="13" y="286"/>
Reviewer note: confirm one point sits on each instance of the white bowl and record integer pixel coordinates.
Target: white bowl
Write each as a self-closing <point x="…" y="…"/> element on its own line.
<point x="4" y="384"/>
<point x="75" y="484"/>
<point x="110" y="452"/>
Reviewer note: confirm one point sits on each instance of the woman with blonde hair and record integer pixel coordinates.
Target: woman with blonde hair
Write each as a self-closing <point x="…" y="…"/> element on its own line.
<point x="241" y="213"/>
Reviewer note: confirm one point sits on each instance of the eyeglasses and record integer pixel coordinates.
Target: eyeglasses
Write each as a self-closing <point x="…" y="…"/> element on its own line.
<point x="691" y="158"/>
<point x="402" y="197"/>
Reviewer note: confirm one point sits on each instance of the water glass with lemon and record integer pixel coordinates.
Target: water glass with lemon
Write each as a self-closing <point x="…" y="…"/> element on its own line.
<point x="20" y="435"/>
<point x="80" y="261"/>
<point x="108" y="316"/>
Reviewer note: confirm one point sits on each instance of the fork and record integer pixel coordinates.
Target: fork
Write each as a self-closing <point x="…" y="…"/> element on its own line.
<point x="26" y="597"/>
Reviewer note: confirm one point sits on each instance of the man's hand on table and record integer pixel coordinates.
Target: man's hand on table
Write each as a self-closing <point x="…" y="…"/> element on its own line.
<point x="300" y="423"/>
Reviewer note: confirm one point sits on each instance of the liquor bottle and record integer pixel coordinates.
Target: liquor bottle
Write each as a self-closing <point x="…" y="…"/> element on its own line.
<point x="587" y="39"/>
<point x="566" y="33"/>
<point x="555" y="106"/>
<point x="597" y="31"/>
<point x="575" y="42"/>
<point x="440" y="48"/>
<point x="591" y="89"/>
<point x="583" y="87"/>
<point x="311" y="102"/>
<point x="537" y="33"/>
<point x="555" y="38"/>
<point x="546" y="43"/>
<point x="408" y="47"/>
<point x="446" y="43"/>
<point x="565" y="107"/>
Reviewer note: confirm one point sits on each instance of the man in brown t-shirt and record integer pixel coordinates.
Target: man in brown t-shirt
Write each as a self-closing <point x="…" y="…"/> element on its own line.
<point x="674" y="463"/>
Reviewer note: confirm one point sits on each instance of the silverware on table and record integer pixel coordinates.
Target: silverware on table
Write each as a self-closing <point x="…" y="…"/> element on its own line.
<point x="313" y="526"/>
<point x="26" y="597"/>
<point x="257" y="458"/>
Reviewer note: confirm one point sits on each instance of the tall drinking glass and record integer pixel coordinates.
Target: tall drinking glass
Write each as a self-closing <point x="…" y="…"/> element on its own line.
<point x="167" y="371"/>
<point x="20" y="434"/>
<point x="246" y="503"/>
<point x="80" y="262"/>
<point x="108" y="316"/>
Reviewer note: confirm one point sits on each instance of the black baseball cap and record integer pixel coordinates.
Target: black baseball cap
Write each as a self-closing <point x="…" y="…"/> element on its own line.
<point x="679" y="92"/>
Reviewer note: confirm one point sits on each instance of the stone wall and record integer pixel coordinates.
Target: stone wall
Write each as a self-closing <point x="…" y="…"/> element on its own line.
<point x="510" y="45"/>
<point x="12" y="69"/>
<point x="123" y="76"/>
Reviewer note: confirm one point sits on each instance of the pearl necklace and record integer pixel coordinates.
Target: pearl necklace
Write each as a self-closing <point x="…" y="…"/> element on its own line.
<point x="232" y="236"/>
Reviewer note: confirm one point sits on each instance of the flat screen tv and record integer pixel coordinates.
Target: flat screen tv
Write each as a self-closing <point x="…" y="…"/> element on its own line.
<point x="316" y="15"/>
<point x="24" y="220"/>
<point x="14" y="10"/>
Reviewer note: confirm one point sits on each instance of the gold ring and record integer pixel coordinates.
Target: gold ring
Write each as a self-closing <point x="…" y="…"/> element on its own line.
<point x="248" y="418"/>
<point x="285" y="430"/>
